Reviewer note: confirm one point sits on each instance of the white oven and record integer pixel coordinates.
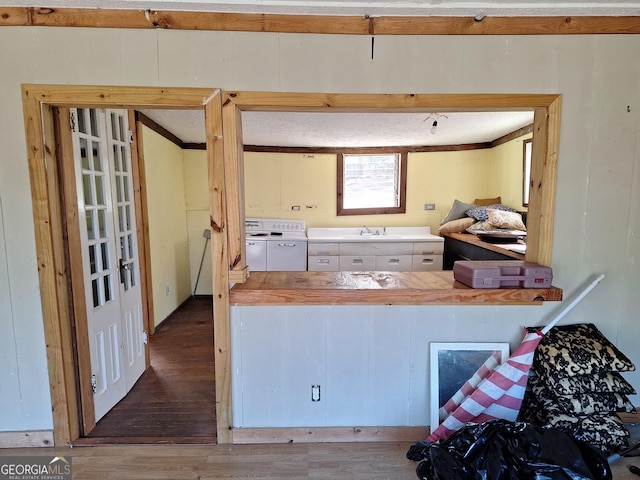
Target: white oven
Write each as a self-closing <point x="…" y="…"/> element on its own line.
<point x="276" y="244"/>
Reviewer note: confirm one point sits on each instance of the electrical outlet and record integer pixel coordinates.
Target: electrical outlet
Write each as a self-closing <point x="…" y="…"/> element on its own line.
<point x="315" y="393"/>
<point x="429" y="206"/>
<point x="167" y="290"/>
<point x="295" y="207"/>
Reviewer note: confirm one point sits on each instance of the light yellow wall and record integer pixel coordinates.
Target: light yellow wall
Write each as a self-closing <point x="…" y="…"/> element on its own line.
<point x="168" y="239"/>
<point x="506" y="165"/>
<point x="196" y="187"/>
<point x="275" y="182"/>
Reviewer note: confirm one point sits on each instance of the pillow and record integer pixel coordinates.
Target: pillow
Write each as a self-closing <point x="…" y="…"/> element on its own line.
<point x="579" y="349"/>
<point x="504" y="219"/>
<point x="601" y="382"/>
<point x="589" y="403"/>
<point x="457" y="211"/>
<point x="481" y="225"/>
<point x="456" y="226"/>
<point x="483" y="202"/>
<point x="481" y="213"/>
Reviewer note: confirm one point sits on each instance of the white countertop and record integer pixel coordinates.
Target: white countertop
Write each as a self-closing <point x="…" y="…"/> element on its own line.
<point x="391" y="234"/>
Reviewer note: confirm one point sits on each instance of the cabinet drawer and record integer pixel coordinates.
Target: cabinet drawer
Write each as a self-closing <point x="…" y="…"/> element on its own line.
<point x="428" y="248"/>
<point x="323" y="249"/>
<point x="393" y="263"/>
<point x="371" y="247"/>
<point x="350" y="263"/>
<point x="425" y="263"/>
<point x="323" y="263"/>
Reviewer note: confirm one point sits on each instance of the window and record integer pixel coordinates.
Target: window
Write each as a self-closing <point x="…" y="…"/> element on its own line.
<point x="372" y="183"/>
<point x="526" y="171"/>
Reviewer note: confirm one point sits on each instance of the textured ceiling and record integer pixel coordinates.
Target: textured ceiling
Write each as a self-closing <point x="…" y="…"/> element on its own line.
<point x="289" y="129"/>
<point x="365" y="7"/>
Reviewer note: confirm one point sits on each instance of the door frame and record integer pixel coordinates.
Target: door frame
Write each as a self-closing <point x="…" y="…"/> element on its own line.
<point x="54" y="266"/>
<point x="226" y="198"/>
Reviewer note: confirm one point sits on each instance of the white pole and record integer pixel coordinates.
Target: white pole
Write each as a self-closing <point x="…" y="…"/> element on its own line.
<point x="573" y="303"/>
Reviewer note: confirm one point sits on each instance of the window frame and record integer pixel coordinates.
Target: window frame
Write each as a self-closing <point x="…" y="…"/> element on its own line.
<point x="402" y="185"/>
<point x="527" y="154"/>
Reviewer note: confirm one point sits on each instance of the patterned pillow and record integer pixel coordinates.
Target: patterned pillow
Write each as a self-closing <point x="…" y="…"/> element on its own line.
<point x="590" y="403"/>
<point x="504" y="219"/>
<point x="579" y="349"/>
<point x="600" y="382"/>
<point x="604" y="430"/>
<point x="482" y="212"/>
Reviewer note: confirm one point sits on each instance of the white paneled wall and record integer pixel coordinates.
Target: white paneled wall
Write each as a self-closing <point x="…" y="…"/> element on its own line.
<point x="596" y="213"/>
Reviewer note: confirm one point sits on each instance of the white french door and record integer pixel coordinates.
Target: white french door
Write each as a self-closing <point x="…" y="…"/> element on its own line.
<point x="102" y="157"/>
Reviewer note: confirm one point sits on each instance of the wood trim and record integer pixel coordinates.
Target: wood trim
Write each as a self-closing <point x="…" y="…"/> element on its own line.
<point x="48" y="238"/>
<point x="320" y="24"/>
<point x="398" y="149"/>
<point x="234" y="181"/>
<point x="546" y="109"/>
<point x="220" y="265"/>
<point x="30" y="438"/>
<point x="512" y="136"/>
<point x="329" y="434"/>
<point x="402" y="201"/>
<point x="143" y="229"/>
<point x="391" y="102"/>
<point x="77" y="302"/>
<point x="159" y="129"/>
<point x="46" y="205"/>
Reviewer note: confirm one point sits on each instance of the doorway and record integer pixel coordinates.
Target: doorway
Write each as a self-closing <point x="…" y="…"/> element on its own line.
<point x="50" y="220"/>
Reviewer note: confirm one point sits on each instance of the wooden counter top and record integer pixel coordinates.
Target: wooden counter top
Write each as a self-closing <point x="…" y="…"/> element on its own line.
<point x="474" y="240"/>
<point x="376" y="288"/>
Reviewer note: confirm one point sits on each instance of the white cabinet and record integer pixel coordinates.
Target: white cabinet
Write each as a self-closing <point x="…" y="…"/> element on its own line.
<point x="351" y="263"/>
<point x="394" y="263"/>
<point x="375" y="255"/>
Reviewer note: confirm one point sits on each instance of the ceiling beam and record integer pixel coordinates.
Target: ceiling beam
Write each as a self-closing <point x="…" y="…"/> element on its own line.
<point x="321" y="24"/>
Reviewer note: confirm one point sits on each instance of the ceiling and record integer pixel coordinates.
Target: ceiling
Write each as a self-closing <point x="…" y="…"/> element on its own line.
<point x="472" y="8"/>
<point x="299" y="129"/>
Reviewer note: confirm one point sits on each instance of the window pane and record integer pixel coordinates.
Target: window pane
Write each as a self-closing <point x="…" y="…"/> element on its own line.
<point x="94" y="122"/>
<point x="371" y="181"/>
<point x="83" y="154"/>
<point x="89" y="219"/>
<point x="82" y="126"/>
<point x="86" y="186"/>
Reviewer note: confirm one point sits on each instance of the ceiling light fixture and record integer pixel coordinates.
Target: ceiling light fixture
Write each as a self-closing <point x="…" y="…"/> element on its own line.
<point x="435" y="117"/>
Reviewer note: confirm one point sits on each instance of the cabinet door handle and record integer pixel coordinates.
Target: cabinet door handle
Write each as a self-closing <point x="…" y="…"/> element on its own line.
<point x="357" y="261"/>
<point x="427" y="260"/>
<point x="286" y="244"/>
<point x="323" y="261"/>
<point x="393" y="260"/>
<point x="427" y="253"/>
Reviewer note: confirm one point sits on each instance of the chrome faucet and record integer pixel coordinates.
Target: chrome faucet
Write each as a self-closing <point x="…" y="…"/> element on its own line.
<point x="368" y="231"/>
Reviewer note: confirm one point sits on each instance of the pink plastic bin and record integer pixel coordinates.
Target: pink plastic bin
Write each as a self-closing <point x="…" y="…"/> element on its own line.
<point x="502" y="274"/>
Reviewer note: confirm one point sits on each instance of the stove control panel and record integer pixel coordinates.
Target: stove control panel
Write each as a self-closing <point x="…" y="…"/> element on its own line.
<point x="273" y="225"/>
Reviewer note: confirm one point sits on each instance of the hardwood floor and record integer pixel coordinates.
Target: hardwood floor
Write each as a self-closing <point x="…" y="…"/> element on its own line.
<point x="174" y="400"/>
<point x="295" y="461"/>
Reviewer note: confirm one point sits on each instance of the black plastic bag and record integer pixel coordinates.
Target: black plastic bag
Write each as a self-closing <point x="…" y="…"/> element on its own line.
<point x="502" y="450"/>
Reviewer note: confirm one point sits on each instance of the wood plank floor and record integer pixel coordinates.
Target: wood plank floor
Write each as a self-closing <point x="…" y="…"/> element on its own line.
<point x="174" y="400"/>
<point x="295" y="461"/>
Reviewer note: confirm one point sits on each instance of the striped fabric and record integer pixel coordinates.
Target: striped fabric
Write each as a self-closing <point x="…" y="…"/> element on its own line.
<point x="469" y="386"/>
<point x="498" y="396"/>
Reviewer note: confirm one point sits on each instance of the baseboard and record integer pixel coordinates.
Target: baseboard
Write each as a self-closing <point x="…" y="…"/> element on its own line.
<point x="31" y="438"/>
<point x="329" y="434"/>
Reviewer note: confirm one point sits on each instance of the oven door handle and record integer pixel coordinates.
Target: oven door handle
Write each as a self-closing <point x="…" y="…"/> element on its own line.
<point x="286" y="244"/>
